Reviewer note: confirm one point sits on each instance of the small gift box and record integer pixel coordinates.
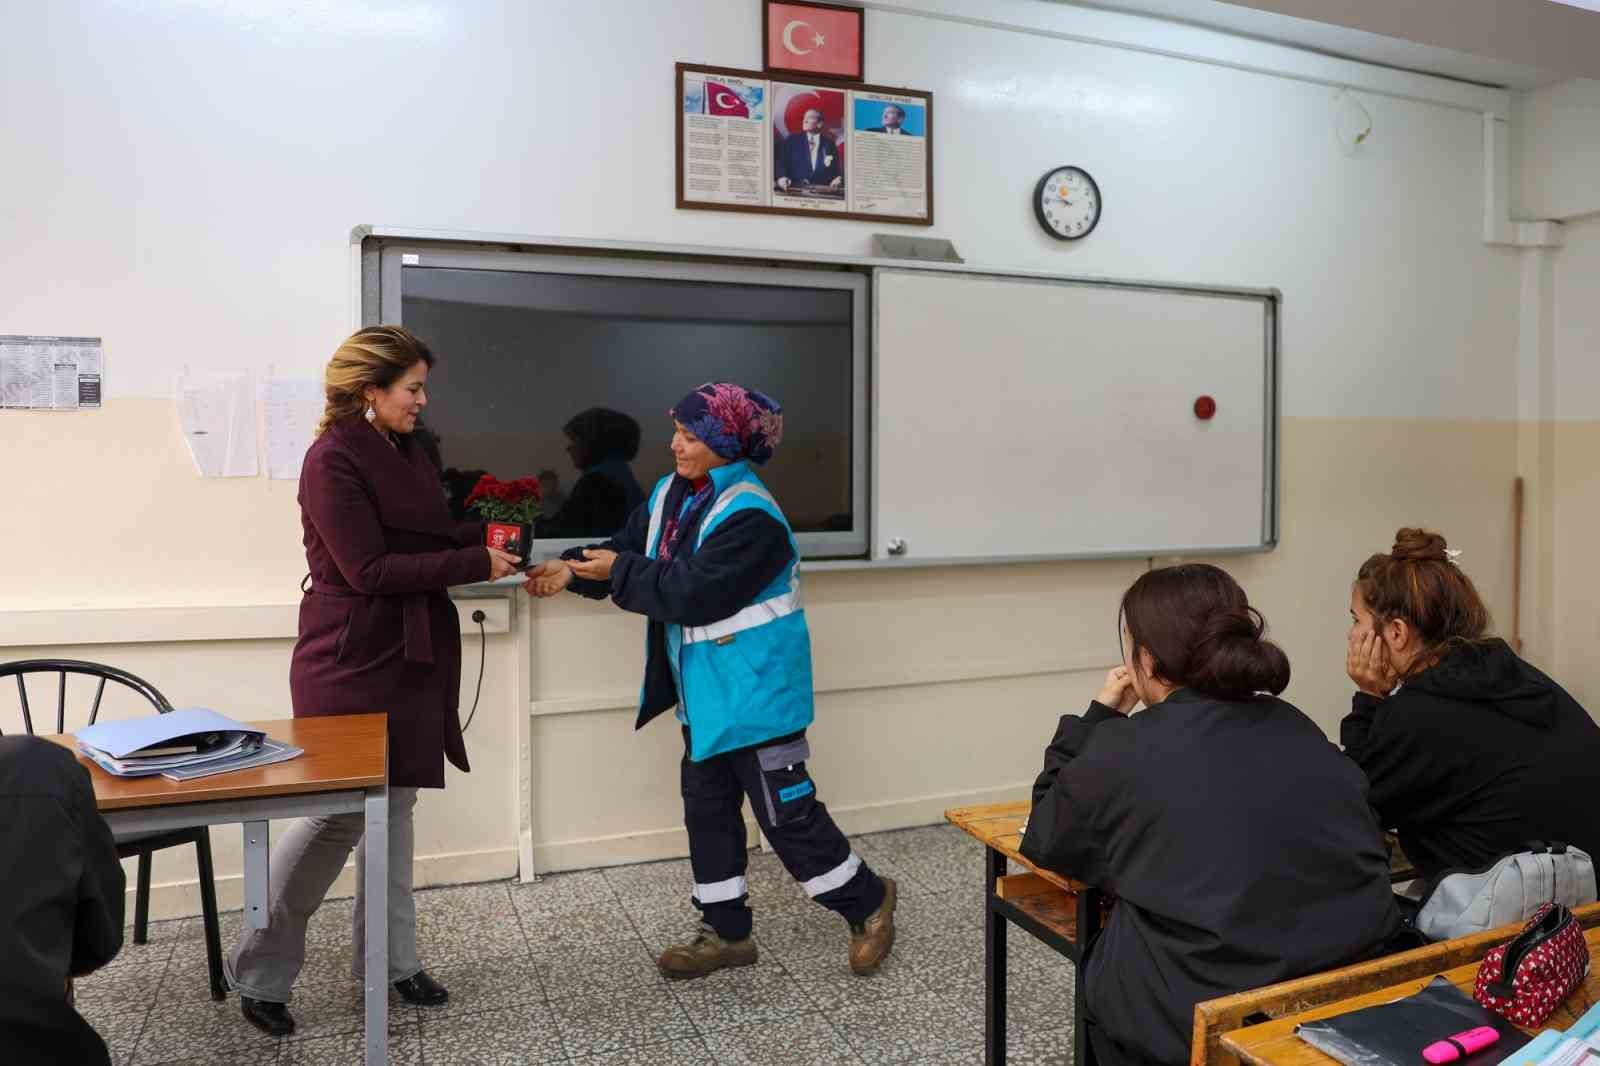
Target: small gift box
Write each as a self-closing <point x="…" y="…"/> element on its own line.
<point x="509" y="508"/>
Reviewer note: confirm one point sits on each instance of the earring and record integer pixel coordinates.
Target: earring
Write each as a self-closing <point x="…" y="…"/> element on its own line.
<point x="372" y="416"/>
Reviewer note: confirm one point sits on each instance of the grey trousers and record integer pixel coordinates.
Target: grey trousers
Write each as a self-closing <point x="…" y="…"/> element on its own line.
<point x="305" y="863"/>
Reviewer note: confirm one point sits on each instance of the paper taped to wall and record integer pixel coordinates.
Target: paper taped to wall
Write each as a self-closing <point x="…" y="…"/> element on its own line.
<point x="291" y="409"/>
<point x="218" y="419"/>
<point x="50" y="373"/>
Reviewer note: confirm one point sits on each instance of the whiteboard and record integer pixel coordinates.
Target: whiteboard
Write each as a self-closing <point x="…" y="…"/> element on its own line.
<point x="1025" y="417"/>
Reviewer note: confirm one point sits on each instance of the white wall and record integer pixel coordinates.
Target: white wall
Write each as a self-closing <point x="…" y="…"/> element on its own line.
<point x="1555" y="134"/>
<point x="192" y="172"/>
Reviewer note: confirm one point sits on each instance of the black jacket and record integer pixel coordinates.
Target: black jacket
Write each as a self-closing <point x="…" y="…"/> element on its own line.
<point x="742" y="556"/>
<point x="61" y="903"/>
<point x="1475" y="757"/>
<point x="1239" y="845"/>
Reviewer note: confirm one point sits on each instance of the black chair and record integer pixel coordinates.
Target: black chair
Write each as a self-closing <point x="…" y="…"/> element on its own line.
<point x="143" y="845"/>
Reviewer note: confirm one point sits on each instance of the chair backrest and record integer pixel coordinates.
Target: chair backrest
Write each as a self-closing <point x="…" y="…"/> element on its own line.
<point x="63" y="667"/>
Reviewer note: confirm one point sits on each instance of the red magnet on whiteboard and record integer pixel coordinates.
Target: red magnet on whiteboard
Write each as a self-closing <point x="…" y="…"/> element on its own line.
<point x="1204" y="408"/>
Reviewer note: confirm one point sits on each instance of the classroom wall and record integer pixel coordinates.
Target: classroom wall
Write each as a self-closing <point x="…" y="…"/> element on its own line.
<point x="1555" y="133"/>
<point x="235" y="147"/>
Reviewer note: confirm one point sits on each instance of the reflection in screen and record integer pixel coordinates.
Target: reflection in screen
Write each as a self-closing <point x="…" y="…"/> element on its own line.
<point x="568" y="378"/>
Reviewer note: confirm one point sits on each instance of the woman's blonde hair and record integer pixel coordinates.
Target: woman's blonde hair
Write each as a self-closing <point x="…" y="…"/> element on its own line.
<point x="376" y="356"/>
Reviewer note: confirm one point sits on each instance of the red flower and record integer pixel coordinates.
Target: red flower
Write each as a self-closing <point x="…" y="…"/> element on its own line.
<point x="505" y="501"/>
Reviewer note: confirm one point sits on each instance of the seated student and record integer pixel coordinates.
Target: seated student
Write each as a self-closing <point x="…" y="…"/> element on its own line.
<point x="1471" y="752"/>
<point x="1236" y="839"/>
<point x="60" y="903"/>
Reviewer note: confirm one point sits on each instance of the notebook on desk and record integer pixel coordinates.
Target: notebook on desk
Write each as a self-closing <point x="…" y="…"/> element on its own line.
<point x="186" y="738"/>
<point x="1395" y="1033"/>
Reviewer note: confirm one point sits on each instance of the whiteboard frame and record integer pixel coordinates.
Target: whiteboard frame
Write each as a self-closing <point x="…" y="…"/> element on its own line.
<point x="368" y="241"/>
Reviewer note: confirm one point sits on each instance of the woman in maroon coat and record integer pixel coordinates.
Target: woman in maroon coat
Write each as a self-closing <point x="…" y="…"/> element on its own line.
<point x="377" y="633"/>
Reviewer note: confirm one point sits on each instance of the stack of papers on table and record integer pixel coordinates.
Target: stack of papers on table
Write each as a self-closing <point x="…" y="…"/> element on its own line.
<point x="180" y="745"/>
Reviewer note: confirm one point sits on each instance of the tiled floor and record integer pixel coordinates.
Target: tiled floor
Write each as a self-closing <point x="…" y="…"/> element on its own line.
<point x="563" y="971"/>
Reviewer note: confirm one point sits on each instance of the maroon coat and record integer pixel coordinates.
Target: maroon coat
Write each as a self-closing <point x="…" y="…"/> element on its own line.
<point x="377" y="630"/>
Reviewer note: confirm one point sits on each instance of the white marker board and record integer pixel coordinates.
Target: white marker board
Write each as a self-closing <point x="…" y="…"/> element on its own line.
<point x="1022" y="417"/>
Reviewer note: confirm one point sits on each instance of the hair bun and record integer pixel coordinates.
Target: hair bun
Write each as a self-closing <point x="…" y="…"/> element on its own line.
<point x="1419" y="546"/>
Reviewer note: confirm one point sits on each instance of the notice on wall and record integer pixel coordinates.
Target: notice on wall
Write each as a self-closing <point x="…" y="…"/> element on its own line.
<point x="50" y="373"/>
<point x="746" y="143"/>
<point x="218" y="419"/>
<point x="290" y="409"/>
<point x="724" y="139"/>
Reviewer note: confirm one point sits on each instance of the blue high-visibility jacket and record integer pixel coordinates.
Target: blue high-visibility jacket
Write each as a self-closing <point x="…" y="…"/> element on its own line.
<point x="727" y="641"/>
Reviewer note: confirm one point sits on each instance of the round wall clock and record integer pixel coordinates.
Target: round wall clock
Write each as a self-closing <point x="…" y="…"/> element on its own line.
<point x="1067" y="203"/>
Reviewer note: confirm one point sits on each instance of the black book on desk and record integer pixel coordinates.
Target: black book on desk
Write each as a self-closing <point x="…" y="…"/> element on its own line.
<point x="1395" y="1033"/>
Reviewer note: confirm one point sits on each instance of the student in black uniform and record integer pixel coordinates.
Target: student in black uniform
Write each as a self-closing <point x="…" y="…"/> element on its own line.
<point x="1236" y="839"/>
<point x="1471" y="752"/>
<point x="61" y="901"/>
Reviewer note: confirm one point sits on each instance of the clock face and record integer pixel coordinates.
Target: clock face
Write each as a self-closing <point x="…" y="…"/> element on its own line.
<point x="1067" y="203"/>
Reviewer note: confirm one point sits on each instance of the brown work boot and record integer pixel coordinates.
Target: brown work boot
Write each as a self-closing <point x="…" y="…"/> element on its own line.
<point x="705" y="954"/>
<point x="871" y="940"/>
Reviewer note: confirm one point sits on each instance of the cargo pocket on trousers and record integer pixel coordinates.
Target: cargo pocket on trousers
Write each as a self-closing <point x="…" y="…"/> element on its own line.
<point x="784" y="781"/>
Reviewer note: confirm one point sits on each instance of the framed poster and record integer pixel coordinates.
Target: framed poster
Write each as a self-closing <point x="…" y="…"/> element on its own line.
<point x="811" y="40"/>
<point x="780" y="146"/>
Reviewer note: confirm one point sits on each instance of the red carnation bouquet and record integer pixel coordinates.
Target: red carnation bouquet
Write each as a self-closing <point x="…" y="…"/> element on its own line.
<point x="509" y="508"/>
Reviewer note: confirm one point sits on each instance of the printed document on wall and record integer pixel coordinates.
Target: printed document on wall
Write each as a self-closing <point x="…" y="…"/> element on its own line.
<point x="50" y="373"/>
<point x="218" y="419"/>
<point x="291" y="409"/>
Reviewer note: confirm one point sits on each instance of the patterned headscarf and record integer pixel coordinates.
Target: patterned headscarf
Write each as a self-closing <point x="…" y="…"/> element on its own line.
<point x="733" y="421"/>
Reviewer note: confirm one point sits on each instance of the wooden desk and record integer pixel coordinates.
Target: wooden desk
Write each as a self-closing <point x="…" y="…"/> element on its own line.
<point x="1274" y="1043"/>
<point x="1059" y="911"/>
<point x="344" y="769"/>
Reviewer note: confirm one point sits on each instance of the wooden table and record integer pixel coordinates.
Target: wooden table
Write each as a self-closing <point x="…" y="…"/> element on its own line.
<point x="1274" y="1043"/>
<point x="1063" y="913"/>
<point x="344" y="769"/>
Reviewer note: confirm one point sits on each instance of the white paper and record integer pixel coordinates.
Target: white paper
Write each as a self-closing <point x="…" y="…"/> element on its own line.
<point x="50" y="373"/>
<point x="291" y="409"/>
<point x="218" y="418"/>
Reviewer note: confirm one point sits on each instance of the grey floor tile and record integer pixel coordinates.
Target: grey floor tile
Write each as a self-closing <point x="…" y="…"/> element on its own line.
<point x="810" y="1039"/>
<point x="803" y="934"/>
<point x="266" y="1056"/>
<point x="187" y="975"/>
<point x="750" y="995"/>
<point x="911" y="1028"/>
<point x="674" y="922"/>
<point x="672" y="879"/>
<point x="629" y="1018"/>
<point x="605" y="923"/>
<point x="450" y="936"/>
<point x="132" y="978"/>
<point x="349" y="1049"/>
<point x="565" y="893"/>
<point x="831" y="985"/>
<point x="596" y="969"/>
<point x="486" y="985"/>
<point x="691" y="1052"/>
<point x="487" y="898"/>
<point x="197" y="1030"/>
<point x="519" y="1035"/>
<point x="1035" y="1046"/>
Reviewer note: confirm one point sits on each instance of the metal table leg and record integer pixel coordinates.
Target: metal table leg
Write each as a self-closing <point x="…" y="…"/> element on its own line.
<point x="377" y="946"/>
<point x="994" y="964"/>
<point x="257" y="875"/>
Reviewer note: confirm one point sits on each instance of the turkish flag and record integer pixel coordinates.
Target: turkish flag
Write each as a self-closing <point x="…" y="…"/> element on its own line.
<point x="721" y="100"/>
<point x="815" y="39"/>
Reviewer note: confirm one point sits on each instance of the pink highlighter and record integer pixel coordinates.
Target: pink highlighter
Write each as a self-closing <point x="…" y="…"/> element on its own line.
<point x="1461" y="1045"/>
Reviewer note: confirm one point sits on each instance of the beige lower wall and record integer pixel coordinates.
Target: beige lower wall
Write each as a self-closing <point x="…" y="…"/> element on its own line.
<point x="1575" y="542"/>
<point x="935" y="686"/>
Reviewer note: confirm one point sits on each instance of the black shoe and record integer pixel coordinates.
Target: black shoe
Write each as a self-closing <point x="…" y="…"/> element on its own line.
<point x="271" y="1018"/>
<point x="420" y="990"/>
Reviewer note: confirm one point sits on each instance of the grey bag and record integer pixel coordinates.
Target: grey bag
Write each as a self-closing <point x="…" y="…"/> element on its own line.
<point x="1463" y="902"/>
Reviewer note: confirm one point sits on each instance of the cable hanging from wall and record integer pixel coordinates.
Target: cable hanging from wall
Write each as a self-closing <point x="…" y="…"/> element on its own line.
<point x="1352" y="122"/>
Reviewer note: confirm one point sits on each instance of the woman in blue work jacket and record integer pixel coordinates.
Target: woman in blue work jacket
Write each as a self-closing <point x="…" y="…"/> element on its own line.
<point x="709" y="558"/>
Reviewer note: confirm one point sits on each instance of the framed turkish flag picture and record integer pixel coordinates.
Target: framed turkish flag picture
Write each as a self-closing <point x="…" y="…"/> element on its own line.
<point x="814" y="40"/>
